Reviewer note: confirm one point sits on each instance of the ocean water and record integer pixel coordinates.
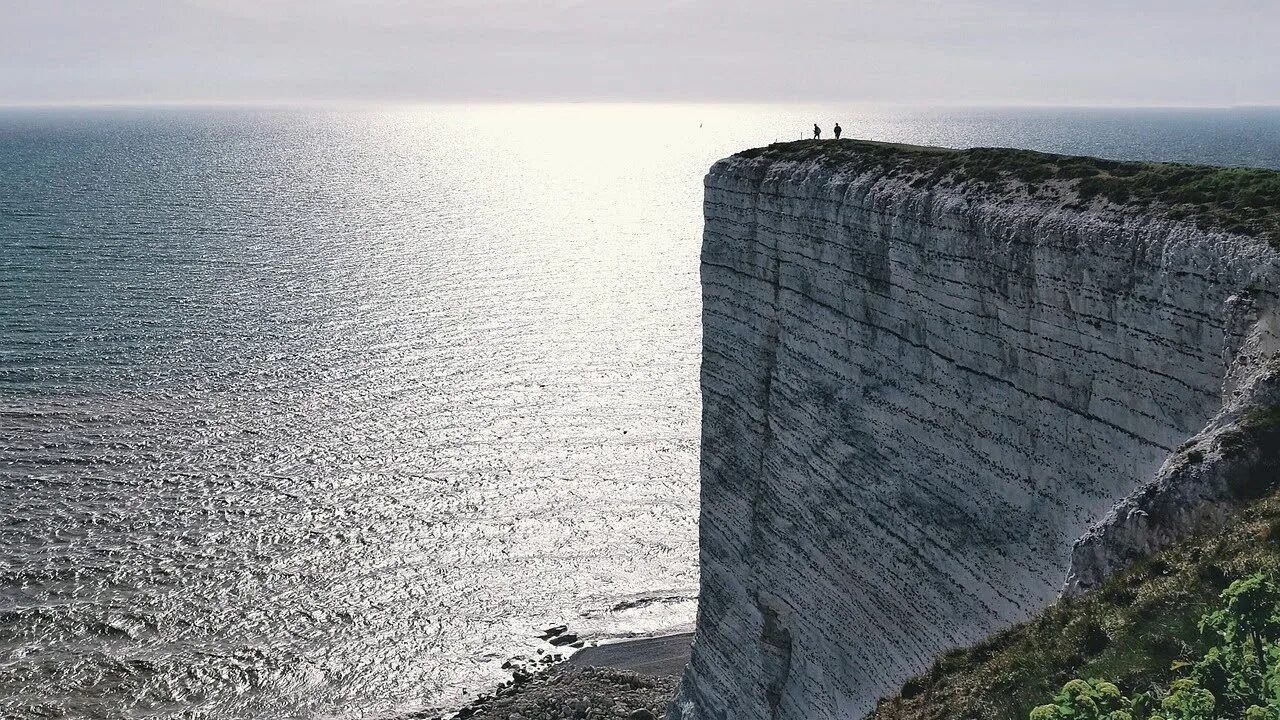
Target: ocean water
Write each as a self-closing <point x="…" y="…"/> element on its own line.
<point x="326" y="413"/>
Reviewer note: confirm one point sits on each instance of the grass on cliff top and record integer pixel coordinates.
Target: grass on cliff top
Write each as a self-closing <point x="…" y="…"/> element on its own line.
<point x="1129" y="631"/>
<point x="1245" y="201"/>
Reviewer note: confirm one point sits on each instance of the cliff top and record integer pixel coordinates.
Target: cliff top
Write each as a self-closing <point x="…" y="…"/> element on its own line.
<point x="1245" y="201"/>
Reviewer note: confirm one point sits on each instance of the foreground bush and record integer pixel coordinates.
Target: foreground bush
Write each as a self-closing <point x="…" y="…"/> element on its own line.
<point x="1238" y="676"/>
<point x="1142" y="631"/>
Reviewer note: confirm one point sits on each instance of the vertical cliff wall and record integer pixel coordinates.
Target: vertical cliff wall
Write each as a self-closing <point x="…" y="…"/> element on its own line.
<point x="920" y="387"/>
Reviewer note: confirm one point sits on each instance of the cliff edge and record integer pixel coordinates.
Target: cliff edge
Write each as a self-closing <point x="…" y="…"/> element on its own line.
<point x="926" y="372"/>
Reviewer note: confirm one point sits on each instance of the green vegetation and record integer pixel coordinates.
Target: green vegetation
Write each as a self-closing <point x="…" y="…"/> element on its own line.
<point x="1238" y="677"/>
<point x="1239" y="200"/>
<point x="1163" y="628"/>
<point x="1086" y="700"/>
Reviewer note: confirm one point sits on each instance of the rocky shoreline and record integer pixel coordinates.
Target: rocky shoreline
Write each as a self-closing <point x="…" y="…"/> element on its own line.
<point x="630" y="680"/>
<point x="572" y="692"/>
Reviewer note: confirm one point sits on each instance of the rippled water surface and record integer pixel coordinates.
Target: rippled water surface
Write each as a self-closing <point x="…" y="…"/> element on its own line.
<point x="326" y="413"/>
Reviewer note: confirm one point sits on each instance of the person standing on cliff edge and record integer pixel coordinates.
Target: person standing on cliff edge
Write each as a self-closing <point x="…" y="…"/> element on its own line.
<point x="837" y="131"/>
<point x="817" y="132"/>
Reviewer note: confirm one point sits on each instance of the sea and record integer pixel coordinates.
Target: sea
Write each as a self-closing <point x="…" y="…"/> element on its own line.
<point x="328" y="412"/>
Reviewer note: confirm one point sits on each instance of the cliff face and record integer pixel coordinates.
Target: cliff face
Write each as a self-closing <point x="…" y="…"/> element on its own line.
<point x="918" y="392"/>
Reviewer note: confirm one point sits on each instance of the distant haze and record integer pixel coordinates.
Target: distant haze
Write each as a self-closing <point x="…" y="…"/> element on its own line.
<point x="1060" y="52"/>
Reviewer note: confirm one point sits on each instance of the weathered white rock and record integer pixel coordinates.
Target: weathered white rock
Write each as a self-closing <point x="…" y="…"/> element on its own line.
<point x="1236" y="457"/>
<point x="914" y="402"/>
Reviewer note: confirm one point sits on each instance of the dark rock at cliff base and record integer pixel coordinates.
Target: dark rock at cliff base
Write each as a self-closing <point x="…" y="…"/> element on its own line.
<point x="586" y="693"/>
<point x="554" y="631"/>
<point x="566" y="639"/>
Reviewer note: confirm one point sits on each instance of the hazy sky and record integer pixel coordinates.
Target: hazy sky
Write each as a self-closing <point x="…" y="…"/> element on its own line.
<point x="1130" y="52"/>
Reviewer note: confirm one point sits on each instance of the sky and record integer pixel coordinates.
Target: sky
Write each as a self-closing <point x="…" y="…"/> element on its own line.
<point x="937" y="52"/>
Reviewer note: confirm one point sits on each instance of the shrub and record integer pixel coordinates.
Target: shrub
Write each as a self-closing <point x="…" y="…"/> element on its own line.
<point x="1238" y="676"/>
<point x="1086" y="700"/>
<point x="1187" y="701"/>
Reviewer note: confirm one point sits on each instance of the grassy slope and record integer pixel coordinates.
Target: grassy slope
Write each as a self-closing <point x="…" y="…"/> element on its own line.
<point x="1127" y="631"/>
<point x="1239" y="200"/>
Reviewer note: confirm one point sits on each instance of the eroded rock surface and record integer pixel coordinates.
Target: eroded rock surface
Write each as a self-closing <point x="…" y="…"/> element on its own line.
<point x="916" y="397"/>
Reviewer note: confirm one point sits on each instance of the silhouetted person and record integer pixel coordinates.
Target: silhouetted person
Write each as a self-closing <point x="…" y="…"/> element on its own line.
<point x="817" y="131"/>
<point x="837" y="131"/>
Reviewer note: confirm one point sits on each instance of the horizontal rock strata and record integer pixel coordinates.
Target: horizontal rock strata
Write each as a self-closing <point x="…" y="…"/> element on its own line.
<point x="916" y="397"/>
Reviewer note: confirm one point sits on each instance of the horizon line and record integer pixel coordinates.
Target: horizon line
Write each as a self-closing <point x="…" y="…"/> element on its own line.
<point x="402" y="103"/>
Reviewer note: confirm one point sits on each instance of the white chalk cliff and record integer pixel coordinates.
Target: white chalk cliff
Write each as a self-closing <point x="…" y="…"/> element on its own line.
<point x="918" y="395"/>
